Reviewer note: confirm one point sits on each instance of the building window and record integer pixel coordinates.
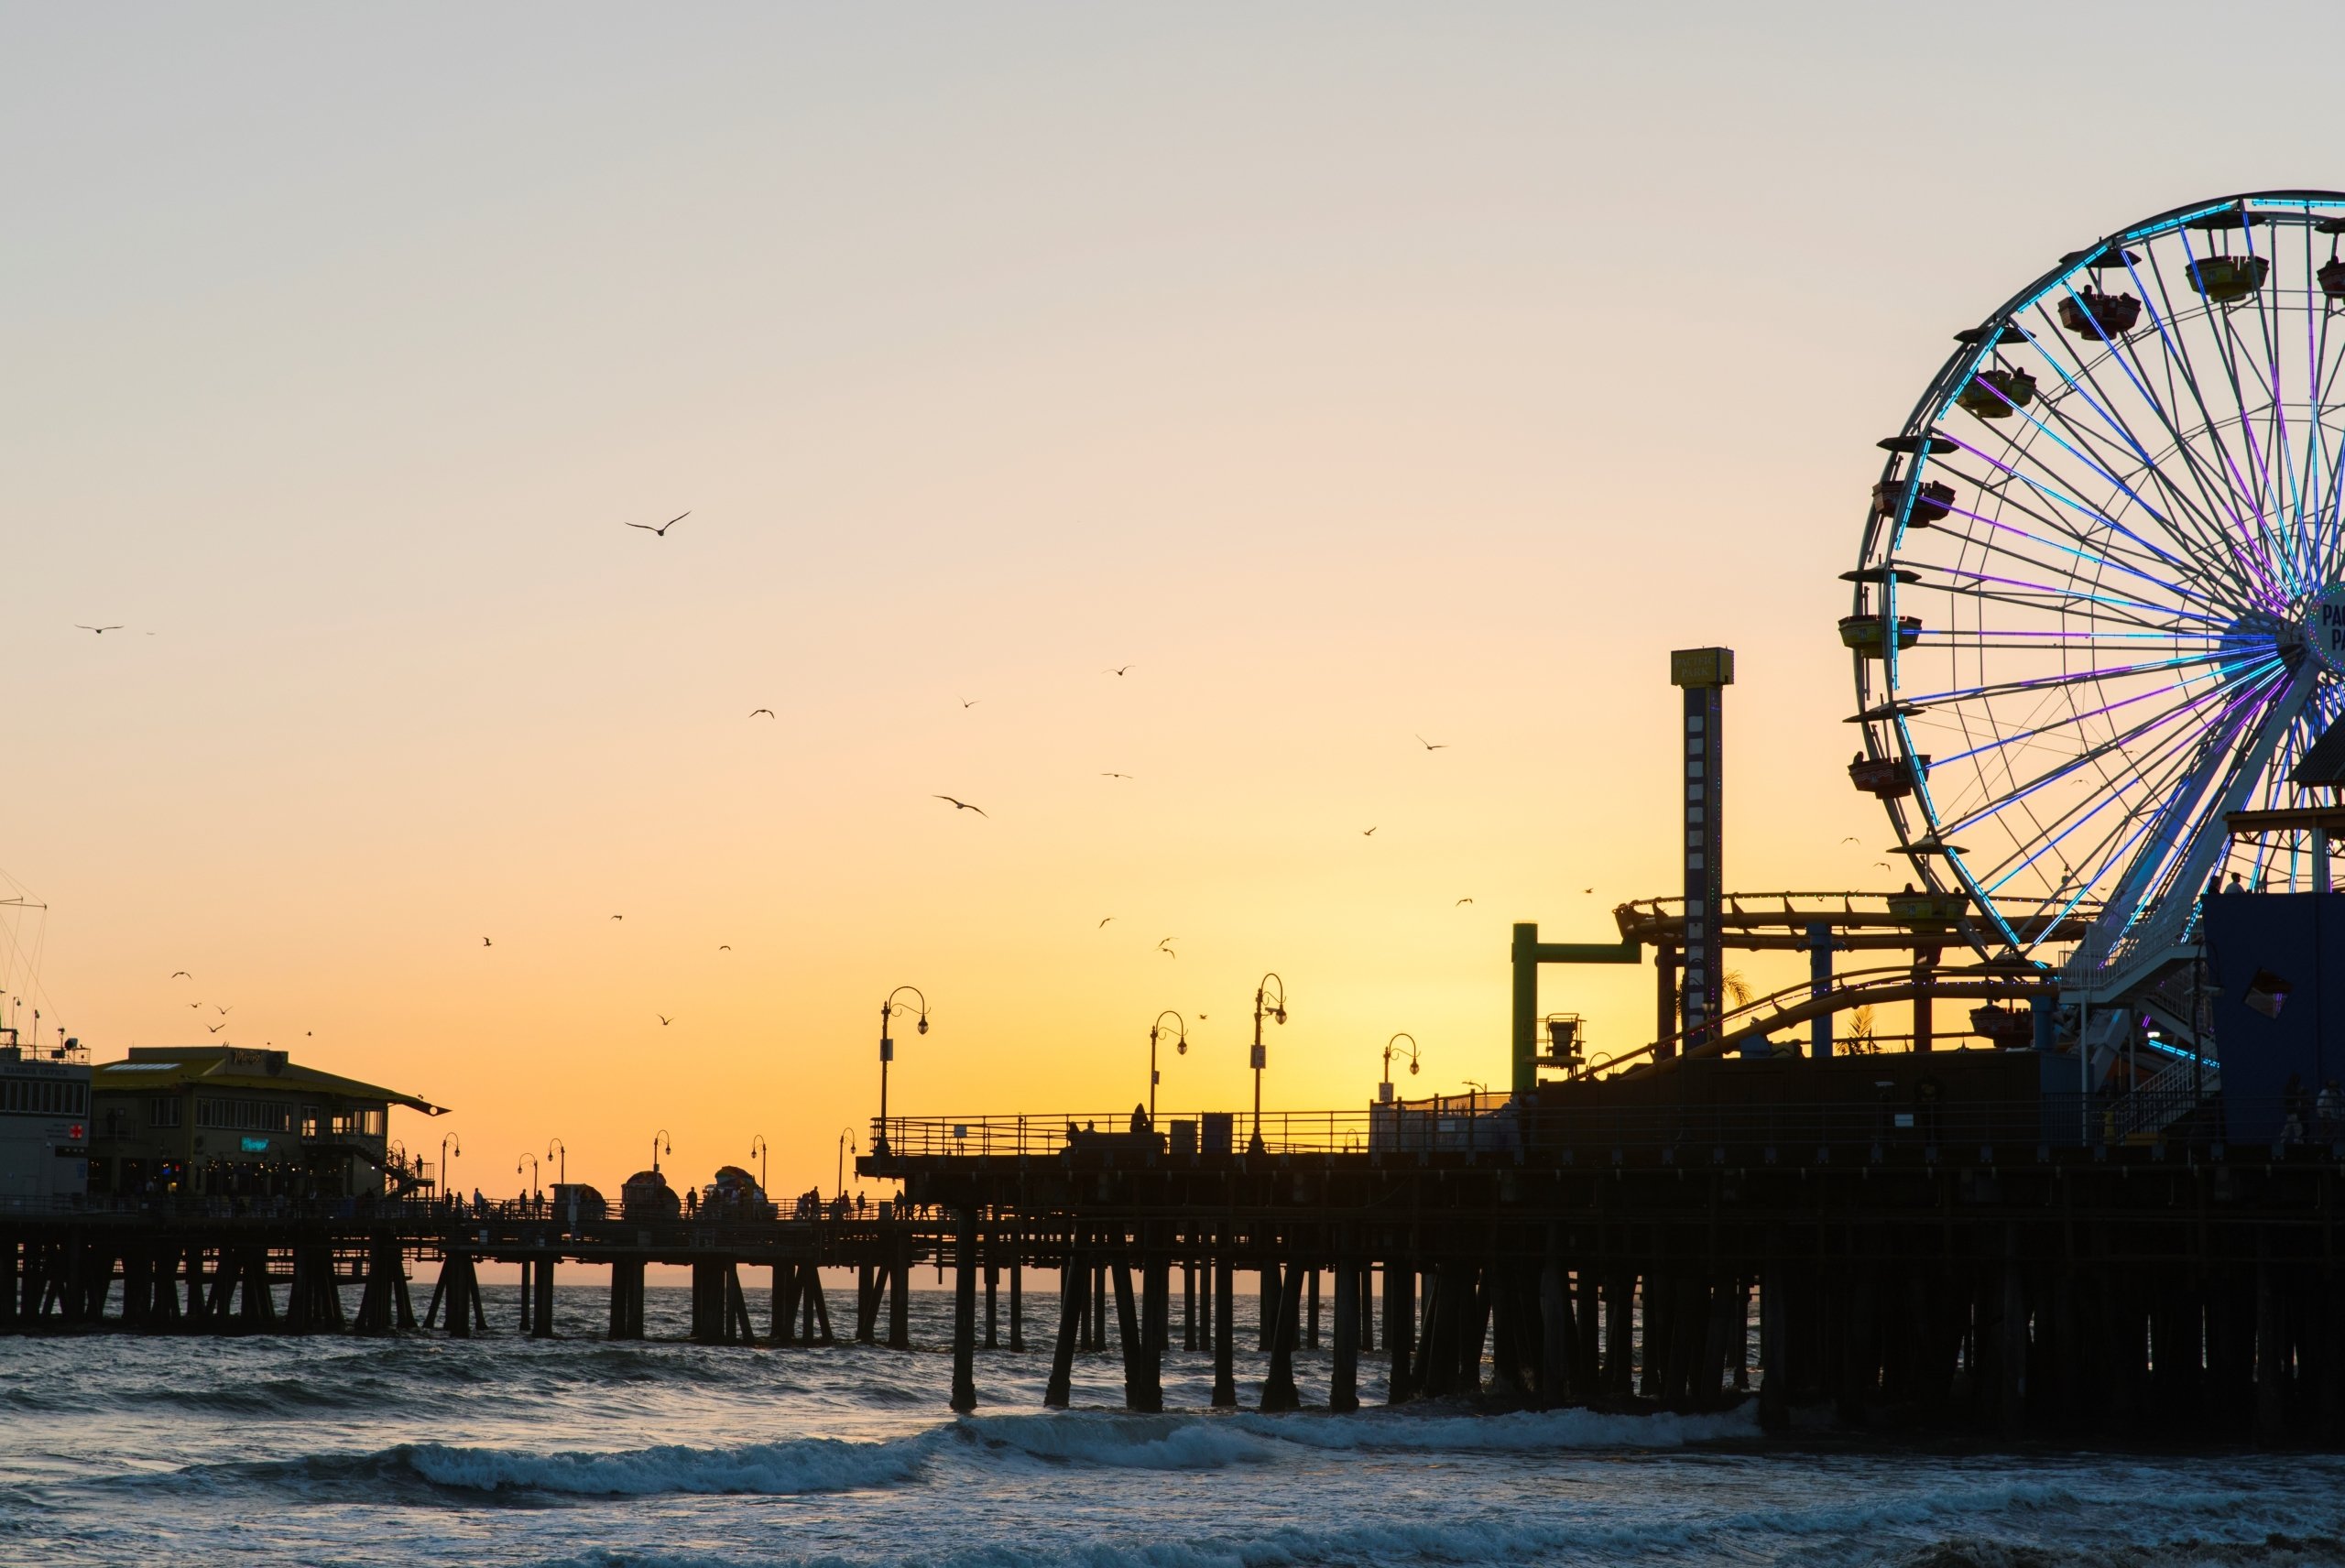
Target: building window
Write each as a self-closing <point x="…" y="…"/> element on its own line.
<point x="163" y="1113"/>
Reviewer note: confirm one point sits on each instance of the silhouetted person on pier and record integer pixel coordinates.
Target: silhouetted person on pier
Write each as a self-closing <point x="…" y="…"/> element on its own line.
<point x="2237" y="885"/>
<point x="692" y="1203"/>
<point x="1140" y="1118"/>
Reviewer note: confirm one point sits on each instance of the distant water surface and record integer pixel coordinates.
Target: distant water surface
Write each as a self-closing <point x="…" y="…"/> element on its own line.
<point x="119" y="1449"/>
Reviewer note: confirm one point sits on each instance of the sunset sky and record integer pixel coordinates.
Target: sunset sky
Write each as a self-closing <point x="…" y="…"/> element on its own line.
<point x="1352" y="374"/>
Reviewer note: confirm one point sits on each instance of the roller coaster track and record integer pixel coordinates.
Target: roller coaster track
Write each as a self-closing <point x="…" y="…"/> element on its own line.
<point x="1856" y="988"/>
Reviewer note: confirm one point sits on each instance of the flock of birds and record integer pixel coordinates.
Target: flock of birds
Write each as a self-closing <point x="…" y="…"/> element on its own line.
<point x="659" y="530"/>
<point x="224" y="1012"/>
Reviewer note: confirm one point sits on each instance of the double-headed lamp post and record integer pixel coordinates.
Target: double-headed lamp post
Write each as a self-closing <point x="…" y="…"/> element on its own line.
<point x="1274" y="989"/>
<point x="1180" y="1047"/>
<point x="758" y="1149"/>
<point x="888" y="1053"/>
<point x="1384" y="1090"/>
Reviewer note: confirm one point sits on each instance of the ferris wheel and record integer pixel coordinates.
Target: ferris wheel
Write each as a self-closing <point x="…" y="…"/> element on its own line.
<point x="2101" y="603"/>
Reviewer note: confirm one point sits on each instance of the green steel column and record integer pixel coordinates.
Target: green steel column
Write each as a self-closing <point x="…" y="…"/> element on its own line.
<point x="1526" y="1007"/>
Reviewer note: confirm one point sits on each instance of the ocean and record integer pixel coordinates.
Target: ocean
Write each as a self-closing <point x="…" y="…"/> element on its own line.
<point x="119" y="1449"/>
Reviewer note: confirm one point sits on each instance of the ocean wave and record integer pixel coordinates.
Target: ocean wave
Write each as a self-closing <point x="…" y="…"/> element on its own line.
<point x="2272" y="1551"/>
<point x="1524" y="1431"/>
<point x="1123" y="1442"/>
<point x="766" y="1469"/>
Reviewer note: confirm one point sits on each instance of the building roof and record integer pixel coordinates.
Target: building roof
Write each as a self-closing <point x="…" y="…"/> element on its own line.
<point x="235" y="1067"/>
<point x="2323" y="764"/>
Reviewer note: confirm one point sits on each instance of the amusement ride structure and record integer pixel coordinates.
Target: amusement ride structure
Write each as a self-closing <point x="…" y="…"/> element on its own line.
<point x="2098" y="626"/>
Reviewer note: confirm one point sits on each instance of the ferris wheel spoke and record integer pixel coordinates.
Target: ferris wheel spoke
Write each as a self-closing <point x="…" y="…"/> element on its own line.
<point x="2125" y="356"/>
<point x="2059" y="496"/>
<point x="2083" y="715"/>
<point x="2084" y="543"/>
<point x="2153" y="776"/>
<point x="2179" y="355"/>
<point x="2081" y="384"/>
<point x="2187" y="524"/>
<point x="2070" y="678"/>
<point x="2116" y="844"/>
<point x="1999" y="539"/>
<point x="2114" y="744"/>
<point x="2048" y="595"/>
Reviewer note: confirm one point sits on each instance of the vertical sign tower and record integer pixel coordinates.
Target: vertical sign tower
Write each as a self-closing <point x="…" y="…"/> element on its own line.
<point x="1703" y="674"/>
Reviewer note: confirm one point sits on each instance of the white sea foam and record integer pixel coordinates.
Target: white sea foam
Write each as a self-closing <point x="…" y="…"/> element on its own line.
<point x="807" y="1464"/>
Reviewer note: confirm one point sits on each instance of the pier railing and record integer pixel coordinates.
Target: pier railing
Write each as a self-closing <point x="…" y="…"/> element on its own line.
<point x="1770" y="1132"/>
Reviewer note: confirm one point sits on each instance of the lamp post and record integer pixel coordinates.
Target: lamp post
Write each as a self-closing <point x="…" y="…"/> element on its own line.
<point x="1384" y="1090"/>
<point x="1180" y="1046"/>
<point x="562" y="1171"/>
<point x="1260" y="1056"/>
<point x="887" y="1054"/>
<point x="758" y="1149"/>
<point x="446" y="1191"/>
<point x="846" y="1147"/>
<point x="530" y="1161"/>
<point x="657" y="1140"/>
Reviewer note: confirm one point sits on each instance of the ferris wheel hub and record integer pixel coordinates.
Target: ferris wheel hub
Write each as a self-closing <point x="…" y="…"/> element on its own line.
<point x="2323" y="628"/>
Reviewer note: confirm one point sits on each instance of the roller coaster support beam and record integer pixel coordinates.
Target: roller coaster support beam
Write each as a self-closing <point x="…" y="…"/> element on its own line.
<point x="1819" y="979"/>
<point x="1528" y="953"/>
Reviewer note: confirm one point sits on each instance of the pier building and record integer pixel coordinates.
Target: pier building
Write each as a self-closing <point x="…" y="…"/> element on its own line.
<point x="230" y="1121"/>
<point x="44" y="1121"/>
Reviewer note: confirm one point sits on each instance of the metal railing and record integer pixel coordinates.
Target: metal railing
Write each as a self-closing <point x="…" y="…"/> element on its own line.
<point x="2016" y="1128"/>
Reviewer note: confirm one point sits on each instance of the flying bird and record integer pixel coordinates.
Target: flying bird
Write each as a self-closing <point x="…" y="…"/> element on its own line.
<point x="1461" y="901"/>
<point x="213" y="1029"/>
<point x="1115" y="776"/>
<point x="1432" y="745"/>
<point x="662" y="531"/>
<point x="1117" y="670"/>
<point x="1165" y="947"/>
<point x="486" y="943"/>
<point x="664" y="1019"/>
<point x="223" y="1011"/>
<point x="961" y="805"/>
<point x="1850" y="839"/>
<point x="767" y="711"/>
<point x="181" y="974"/>
<point x="1103" y="923"/>
<point x="1369" y="832"/>
<point x="1587" y="889"/>
<point x="100" y="630"/>
<point x="724" y="947"/>
<point x="197" y="1004"/>
<point x="970" y="702"/>
<point x="618" y="917"/>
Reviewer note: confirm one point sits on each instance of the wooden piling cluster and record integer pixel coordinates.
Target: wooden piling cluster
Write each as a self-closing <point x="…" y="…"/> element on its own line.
<point x="2130" y="1290"/>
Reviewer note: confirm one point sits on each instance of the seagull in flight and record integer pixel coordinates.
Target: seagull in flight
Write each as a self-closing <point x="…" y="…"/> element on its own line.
<point x="213" y="1029"/>
<point x="970" y="702"/>
<point x="1461" y="901"/>
<point x="1432" y="745"/>
<point x="1850" y="839"/>
<point x="1115" y="776"/>
<point x="1117" y="670"/>
<point x="1103" y="924"/>
<point x="486" y="943"/>
<point x="961" y="805"/>
<point x="100" y="630"/>
<point x="767" y="711"/>
<point x="1165" y="948"/>
<point x="196" y="1005"/>
<point x="618" y="917"/>
<point x="664" y="1019"/>
<point x="223" y="1011"/>
<point x="181" y="974"/>
<point x="662" y="531"/>
<point x="724" y="947"/>
<point x="1369" y="832"/>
